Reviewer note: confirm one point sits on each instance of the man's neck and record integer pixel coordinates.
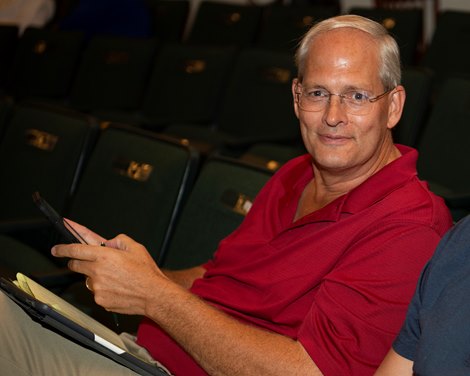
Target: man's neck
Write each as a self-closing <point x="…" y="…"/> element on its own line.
<point x="327" y="186"/>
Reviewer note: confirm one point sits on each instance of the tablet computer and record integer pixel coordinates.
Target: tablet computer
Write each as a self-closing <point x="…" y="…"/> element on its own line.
<point x="61" y="225"/>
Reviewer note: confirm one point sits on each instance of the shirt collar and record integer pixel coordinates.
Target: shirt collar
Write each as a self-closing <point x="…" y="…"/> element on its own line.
<point x="374" y="189"/>
<point x="383" y="182"/>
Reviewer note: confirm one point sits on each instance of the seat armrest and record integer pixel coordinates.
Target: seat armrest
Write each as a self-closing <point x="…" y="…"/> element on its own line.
<point x="23" y="225"/>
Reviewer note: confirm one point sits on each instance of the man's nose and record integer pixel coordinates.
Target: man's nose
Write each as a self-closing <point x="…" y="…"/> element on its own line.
<point x="335" y="111"/>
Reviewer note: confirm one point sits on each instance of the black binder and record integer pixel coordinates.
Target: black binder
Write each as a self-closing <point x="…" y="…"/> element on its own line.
<point x="51" y="318"/>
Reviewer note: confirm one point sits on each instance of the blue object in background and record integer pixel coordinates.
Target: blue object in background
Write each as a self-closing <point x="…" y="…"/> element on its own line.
<point x="113" y="17"/>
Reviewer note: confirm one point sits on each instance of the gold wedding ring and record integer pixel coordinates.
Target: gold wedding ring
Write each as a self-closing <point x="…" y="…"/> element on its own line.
<point x="87" y="284"/>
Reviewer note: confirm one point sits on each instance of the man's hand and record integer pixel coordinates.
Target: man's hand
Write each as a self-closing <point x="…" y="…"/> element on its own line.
<point x="122" y="275"/>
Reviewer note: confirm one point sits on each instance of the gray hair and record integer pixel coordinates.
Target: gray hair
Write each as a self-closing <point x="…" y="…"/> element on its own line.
<point x="389" y="54"/>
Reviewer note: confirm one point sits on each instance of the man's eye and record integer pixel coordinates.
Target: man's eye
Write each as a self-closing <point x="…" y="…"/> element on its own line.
<point x="316" y="93"/>
<point x="358" y="96"/>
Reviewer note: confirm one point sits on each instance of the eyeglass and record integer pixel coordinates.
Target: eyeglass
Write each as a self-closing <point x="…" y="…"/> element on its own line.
<point x="356" y="102"/>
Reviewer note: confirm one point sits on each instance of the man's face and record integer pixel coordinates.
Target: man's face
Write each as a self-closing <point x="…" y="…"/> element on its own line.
<point x="340" y="61"/>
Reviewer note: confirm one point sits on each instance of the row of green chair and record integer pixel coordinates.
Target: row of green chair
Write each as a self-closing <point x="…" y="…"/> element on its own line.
<point x="275" y="25"/>
<point x="128" y="181"/>
<point x="135" y="81"/>
<point x="280" y="26"/>
<point x="155" y="85"/>
<point x="228" y="23"/>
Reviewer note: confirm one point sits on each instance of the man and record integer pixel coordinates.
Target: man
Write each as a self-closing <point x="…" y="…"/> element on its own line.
<point x="434" y="339"/>
<point x="317" y="278"/>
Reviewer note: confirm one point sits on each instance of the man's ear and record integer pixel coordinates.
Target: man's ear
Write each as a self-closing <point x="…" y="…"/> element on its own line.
<point x="295" y="82"/>
<point x="395" y="108"/>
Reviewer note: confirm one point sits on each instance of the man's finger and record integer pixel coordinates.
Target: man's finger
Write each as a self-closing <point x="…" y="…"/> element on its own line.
<point x="75" y="251"/>
<point x="89" y="236"/>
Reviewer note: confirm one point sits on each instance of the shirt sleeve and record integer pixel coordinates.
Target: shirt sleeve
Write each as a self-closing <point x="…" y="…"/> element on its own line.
<point x="407" y="340"/>
<point x="362" y="302"/>
<point x="448" y="260"/>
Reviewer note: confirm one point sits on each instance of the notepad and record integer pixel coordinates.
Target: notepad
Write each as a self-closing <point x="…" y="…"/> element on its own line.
<point x="68" y="310"/>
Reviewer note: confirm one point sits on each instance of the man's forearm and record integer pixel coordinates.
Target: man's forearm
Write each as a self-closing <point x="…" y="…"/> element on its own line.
<point x="395" y="365"/>
<point x="221" y="344"/>
<point x="186" y="277"/>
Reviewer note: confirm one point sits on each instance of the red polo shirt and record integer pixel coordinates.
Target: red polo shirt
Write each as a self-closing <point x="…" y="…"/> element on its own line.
<point x="339" y="280"/>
